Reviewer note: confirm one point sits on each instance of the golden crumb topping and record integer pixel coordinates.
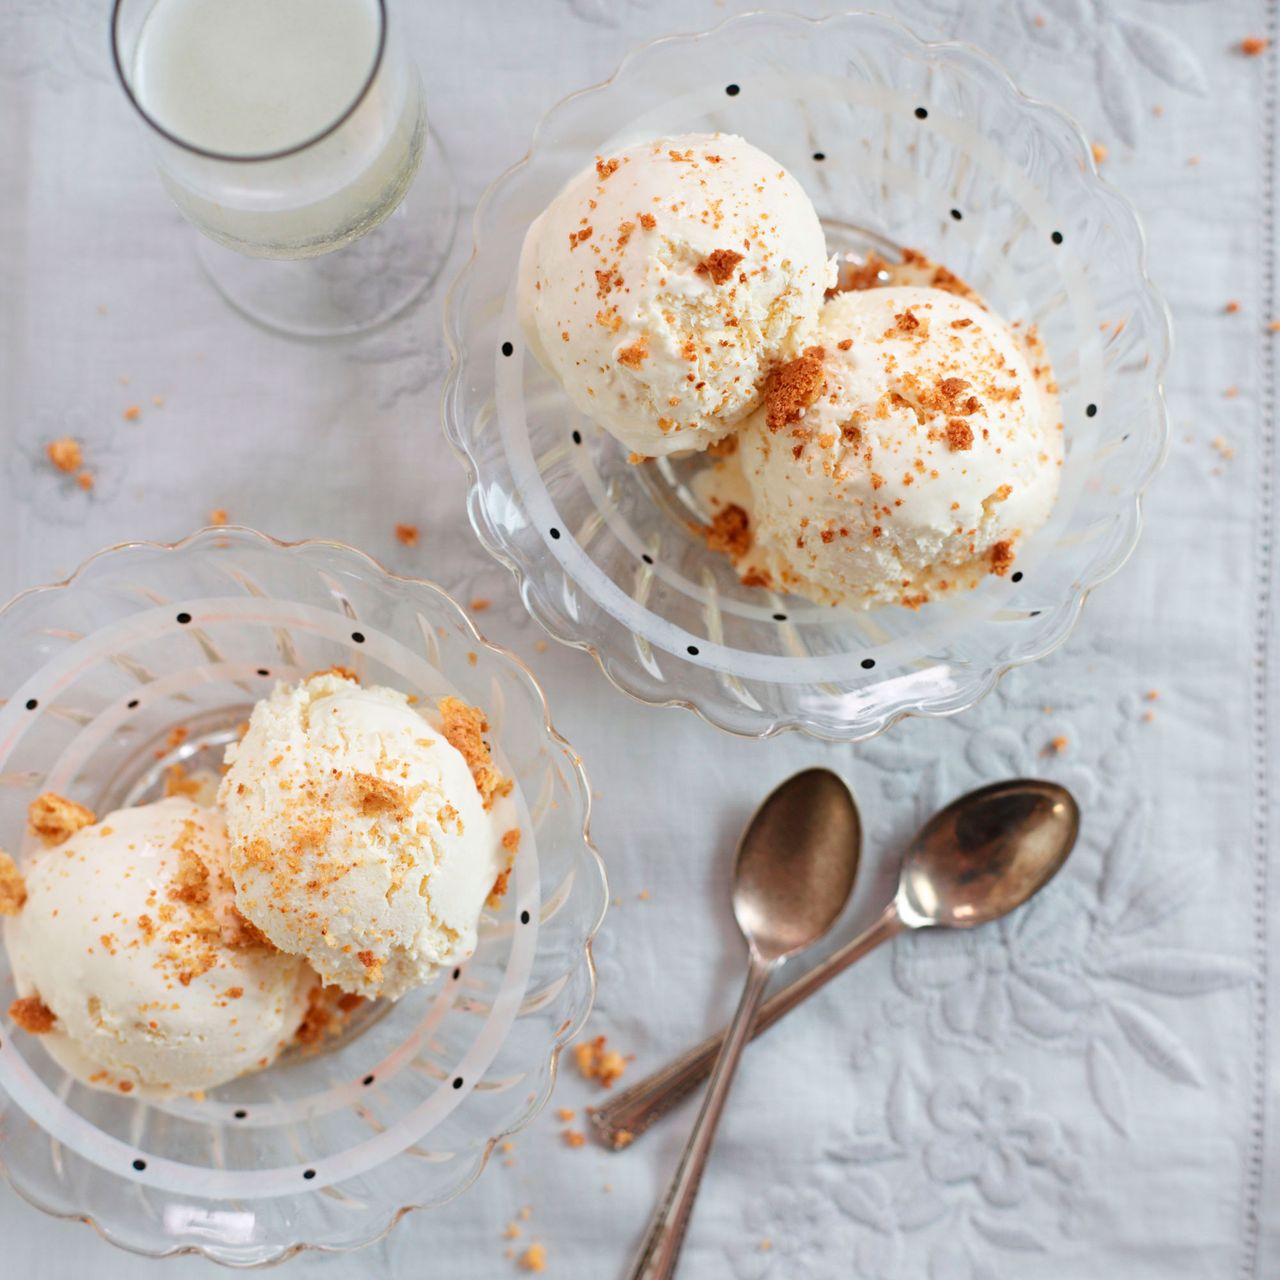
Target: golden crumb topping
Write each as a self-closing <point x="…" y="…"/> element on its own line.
<point x="1002" y="557"/>
<point x="636" y="354"/>
<point x="464" y="727"/>
<point x="793" y="387"/>
<point x="719" y="264"/>
<point x="730" y="531"/>
<point x="65" y="454"/>
<point x="378" y="796"/>
<point x="32" y="1015"/>
<point x="54" y="818"/>
<point x="329" y="1009"/>
<point x="959" y="435"/>
<point x="13" y="889"/>
<point x="596" y="1061"/>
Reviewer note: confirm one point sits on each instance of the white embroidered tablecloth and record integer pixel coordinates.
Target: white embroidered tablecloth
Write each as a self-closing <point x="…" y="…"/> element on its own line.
<point x="1091" y="1090"/>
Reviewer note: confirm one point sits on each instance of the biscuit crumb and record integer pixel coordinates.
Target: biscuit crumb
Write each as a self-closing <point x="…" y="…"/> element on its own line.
<point x="636" y="354"/>
<point x="595" y="1061"/>
<point x="1232" y="307"/>
<point x="65" y="454"/>
<point x="793" y="387"/>
<point x="719" y="264"/>
<point x="725" y="447"/>
<point x="1002" y="557"/>
<point x="1056" y="746"/>
<point x="132" y="413"/>
<point x="407" y="535"/>
<point x="13" y="889"/>
<point x="534" y="1258"/>
<point x="1099" y="150"/>
<point x="480" y="604"/>
<point x="730" y="531"/>
<point x="380" y="796"/>
<point x="32" y="1015"/>
<point x="1253" y="46"/>
<point x="54" y="818"/>
<point x="566" y="1114"/>
<point x="218" y="517"/>
<point x="959" y="435"/>
<point x="464" y="728"/>
<point x="329" y="1009"/>
<point x="573" y="1138"/>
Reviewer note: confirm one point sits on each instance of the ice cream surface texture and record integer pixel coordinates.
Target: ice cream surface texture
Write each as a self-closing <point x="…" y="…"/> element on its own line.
<point x="130" y="939"/>
<point x="360" y="837"/>
<point x="662" y="283"/>
<point x="903" y="455"/>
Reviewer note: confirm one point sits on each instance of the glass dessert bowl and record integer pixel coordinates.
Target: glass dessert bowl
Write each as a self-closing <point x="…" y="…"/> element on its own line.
<point x="327" y="1148"/>
<point x="901" y="145"/>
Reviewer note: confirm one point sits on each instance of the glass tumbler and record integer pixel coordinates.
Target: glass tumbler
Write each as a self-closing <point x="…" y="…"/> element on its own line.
<point x="285" y="133"/>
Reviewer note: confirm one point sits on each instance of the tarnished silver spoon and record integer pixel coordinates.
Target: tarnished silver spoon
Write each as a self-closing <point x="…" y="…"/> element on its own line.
<point x="975" y="861"/>
<point x="794" y="872"/>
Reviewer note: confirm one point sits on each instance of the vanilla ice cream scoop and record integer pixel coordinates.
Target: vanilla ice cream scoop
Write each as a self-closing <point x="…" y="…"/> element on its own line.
<point x="130" y="939"/>
<point x="664" y="280"/>
<point x="905" y="454"/>
<point x="361" y="838"/>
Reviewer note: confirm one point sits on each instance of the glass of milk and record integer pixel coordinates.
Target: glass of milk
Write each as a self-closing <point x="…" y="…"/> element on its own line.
<point x="286" y="130"/>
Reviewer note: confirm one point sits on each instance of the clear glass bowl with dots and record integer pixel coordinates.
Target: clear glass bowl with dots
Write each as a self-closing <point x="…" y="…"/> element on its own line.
<point x="327" y="1150"/>
<point x="900" y="144"/>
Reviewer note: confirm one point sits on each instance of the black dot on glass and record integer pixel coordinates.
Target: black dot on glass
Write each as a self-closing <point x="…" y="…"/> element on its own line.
<point x="457" y="1082"/>
<point x="358" y="637"/>
<point x="922" y="113"/>
<point x="368" y="1080"/>
<point x="308" y="1174"/>
<point x="693" y="649"/>
<point x="133" y="702"/>
<point x="956" y="214"/>
<point x="1035" y="613"/>
<point x="1091" y="411"/>
<point x="262" y="671"/>
<point x="819" y="155"/>
<point x="508" y="349"/>
<point x="1056" y="237"/>
<point x="32" y="704"/>
<point x="139" y="1165"/>
<point x="555" y="533"/>
<point x="524" y="917"/>
<point x="240" y="1115"/>
<point x="779" y="617"/>
<point x="184" y="618"/>
<point x="646" y="557"/>
<point x="457" y="973"/>
<point x="577" y="437"/>
<point x="732" y="90"/>
<point x="1016" y="577"/>
<point x="868" y="663"/>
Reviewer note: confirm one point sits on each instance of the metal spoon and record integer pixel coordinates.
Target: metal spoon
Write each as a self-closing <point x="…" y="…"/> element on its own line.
<point x="795" y="869"/>
<point x="983" y="855"/>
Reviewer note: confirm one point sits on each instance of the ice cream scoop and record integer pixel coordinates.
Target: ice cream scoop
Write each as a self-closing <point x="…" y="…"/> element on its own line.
<point x="145" y="975"/>
<point x="665" y="279"/>
<point x="903" y="455"/>
<point x="365" y="837"/>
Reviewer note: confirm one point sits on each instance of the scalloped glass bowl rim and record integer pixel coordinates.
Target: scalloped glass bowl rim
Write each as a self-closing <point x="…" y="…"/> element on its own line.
<point x="378" y="570"/>
<point x="1069" y="612"/>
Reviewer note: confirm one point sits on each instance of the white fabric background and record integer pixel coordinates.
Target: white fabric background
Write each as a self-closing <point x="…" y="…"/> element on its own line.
<point x="1082" y="1093"/>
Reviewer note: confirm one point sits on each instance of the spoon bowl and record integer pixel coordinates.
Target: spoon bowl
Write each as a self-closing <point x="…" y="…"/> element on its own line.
<point x="986" y="853"/>
<point x="796" y="864"/>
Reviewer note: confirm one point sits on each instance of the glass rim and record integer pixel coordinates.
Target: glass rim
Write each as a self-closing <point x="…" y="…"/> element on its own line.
<point x="234" y="157"/>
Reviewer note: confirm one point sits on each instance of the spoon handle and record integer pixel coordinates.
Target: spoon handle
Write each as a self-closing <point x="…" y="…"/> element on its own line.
<point x="626" y="1116"/>
<point x="661" y="1248"/>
